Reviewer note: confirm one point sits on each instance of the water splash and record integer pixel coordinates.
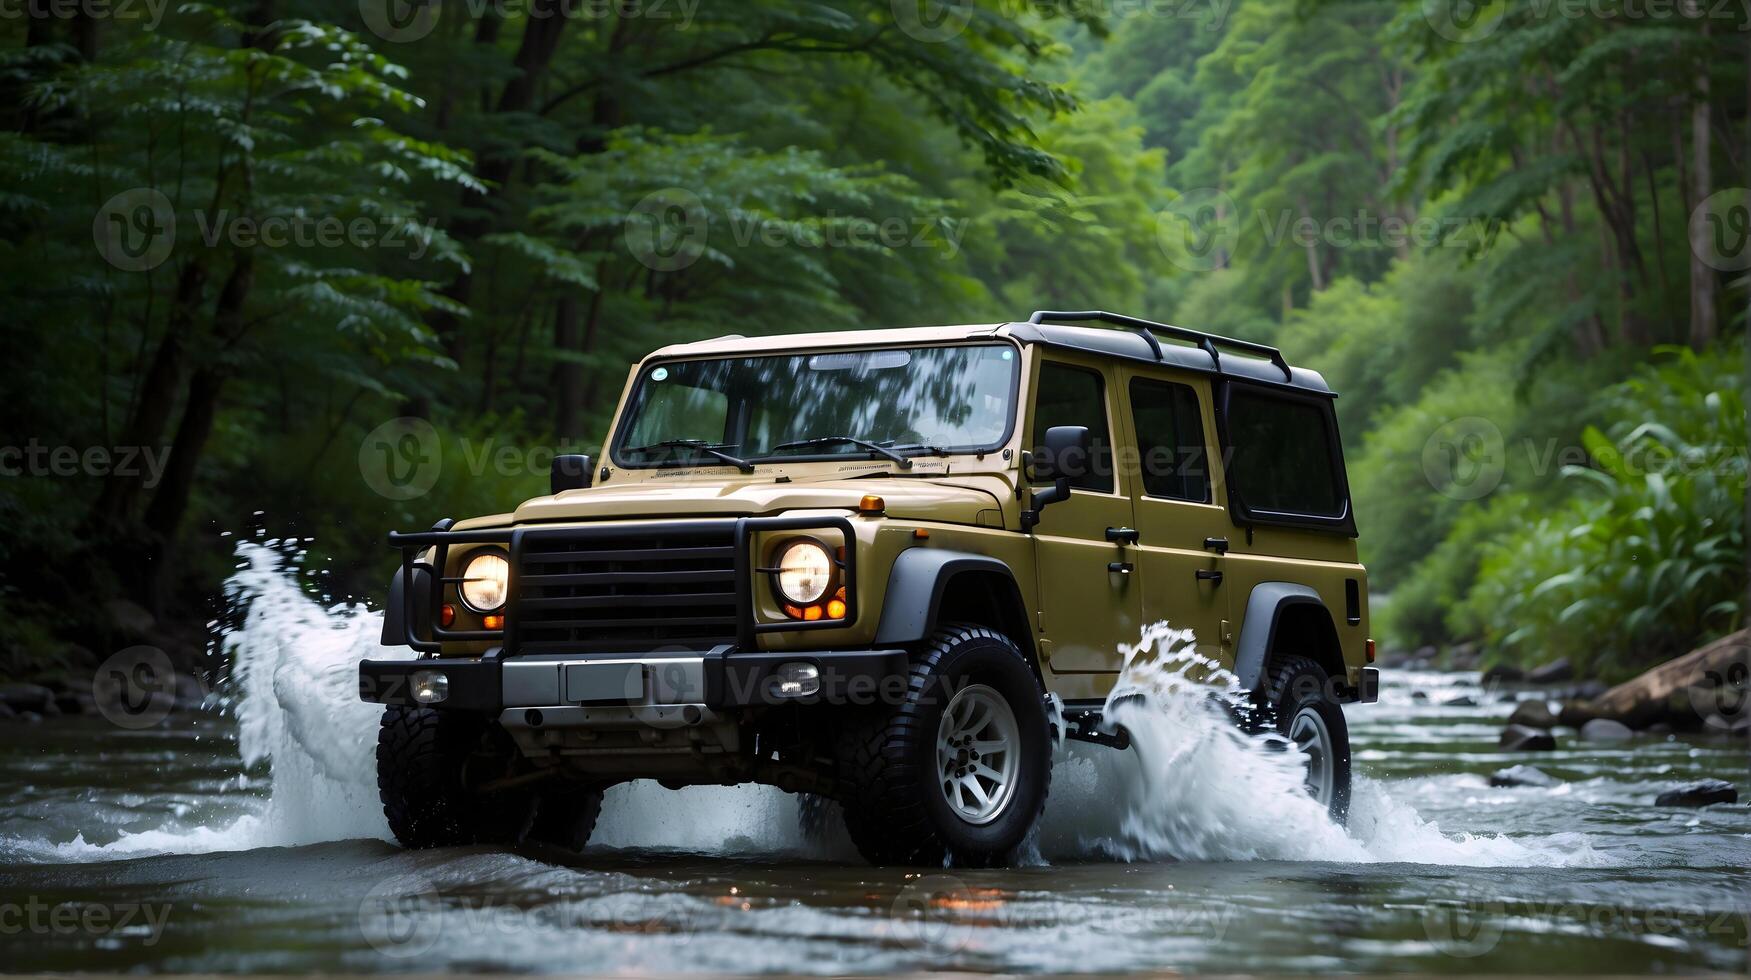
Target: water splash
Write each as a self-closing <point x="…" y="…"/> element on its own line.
<point x="1195" y="787"/>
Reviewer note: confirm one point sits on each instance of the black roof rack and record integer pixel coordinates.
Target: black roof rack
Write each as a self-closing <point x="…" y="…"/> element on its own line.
<point x="1147" y="329"/>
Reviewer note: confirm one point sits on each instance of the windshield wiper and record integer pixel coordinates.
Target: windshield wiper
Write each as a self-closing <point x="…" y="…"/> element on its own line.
<point x="905" y="462"/>
<point x="698" y="446"/>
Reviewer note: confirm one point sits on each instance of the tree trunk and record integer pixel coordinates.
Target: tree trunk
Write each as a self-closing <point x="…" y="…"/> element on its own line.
<point x="535" y="53"/>
<point x="171" y="501"/>
<point x="156" y="397"/>
<point x="1703" y="313"/>
<point x="568" y="398"/>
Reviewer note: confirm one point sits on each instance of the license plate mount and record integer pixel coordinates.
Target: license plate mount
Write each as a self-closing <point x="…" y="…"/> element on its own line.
<point x="604" y="683"/>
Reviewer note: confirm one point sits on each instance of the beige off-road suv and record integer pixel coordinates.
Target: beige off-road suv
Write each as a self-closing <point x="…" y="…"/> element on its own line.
<point x="878" y="567"/>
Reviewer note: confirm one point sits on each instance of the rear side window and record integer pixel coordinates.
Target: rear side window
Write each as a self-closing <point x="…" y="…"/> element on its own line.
<point x="1285" y="455"/>
<point x="1076" y="396"/>
<point x="1170" y="438"/>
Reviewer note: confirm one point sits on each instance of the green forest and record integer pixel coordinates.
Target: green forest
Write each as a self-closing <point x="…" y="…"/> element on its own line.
<point x="242" y="237"/>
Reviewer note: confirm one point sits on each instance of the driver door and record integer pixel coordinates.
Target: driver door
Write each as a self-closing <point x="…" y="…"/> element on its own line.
<point x="1090" y="599"/>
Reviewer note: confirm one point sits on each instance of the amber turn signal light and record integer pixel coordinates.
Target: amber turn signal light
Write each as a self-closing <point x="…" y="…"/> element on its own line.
<point x="834" y="609"/>
<point x="447" y="616"/>
<point x="493" y="622"/>
<point x="871" y="504"/>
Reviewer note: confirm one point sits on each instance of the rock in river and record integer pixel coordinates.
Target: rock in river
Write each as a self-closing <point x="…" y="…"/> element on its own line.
<point x="1605" y="730"/>
<point x="1462" y="701"/>
<point x="1502" y="673"/>
<point x="1524" y="776"/>
<point x="1555" y="672"/>
<point x="1699" y="794"/>
<point x="1532" y="714"/>
<point x="1519" y="738"/>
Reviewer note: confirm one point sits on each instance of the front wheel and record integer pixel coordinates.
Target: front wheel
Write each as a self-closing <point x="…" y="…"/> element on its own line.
<point x="960" y="768"/>
<point x="434" y="769"/>
<point x="1299" y="705"/>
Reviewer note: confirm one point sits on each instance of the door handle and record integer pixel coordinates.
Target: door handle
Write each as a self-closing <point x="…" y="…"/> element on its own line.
<point x="1122" y="535"/>
<point x="1121" y="567"/>
<point x="1218" y="545"/>
<point x="1209" y="575"/>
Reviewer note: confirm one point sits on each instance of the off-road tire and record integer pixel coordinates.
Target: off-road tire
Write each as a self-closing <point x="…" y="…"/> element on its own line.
<point x="895" y="809"/>
<point x="422" y="755"/>
<point x="565" y="815"/>
<point x="1297" y="683"/>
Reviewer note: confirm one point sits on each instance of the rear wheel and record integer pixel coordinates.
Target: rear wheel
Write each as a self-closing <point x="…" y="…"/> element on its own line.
<point x="1298" y="705"/>
<point x="434" y="772"/>
<point x="959" y="769"/>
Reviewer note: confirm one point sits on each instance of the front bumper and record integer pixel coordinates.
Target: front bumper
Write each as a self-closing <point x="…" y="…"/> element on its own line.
<point x="720" y="678"/>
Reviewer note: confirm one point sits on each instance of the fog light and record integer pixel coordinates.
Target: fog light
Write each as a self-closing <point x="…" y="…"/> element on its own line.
<point x="796" y="680"/>
<point x="430" y="686"/>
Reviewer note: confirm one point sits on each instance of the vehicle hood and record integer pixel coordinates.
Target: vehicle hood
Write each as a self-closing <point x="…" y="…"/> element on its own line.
<point x="957" y="500"/>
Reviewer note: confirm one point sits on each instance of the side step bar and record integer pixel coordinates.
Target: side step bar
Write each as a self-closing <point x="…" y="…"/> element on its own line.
<point x="1085" y="724"/>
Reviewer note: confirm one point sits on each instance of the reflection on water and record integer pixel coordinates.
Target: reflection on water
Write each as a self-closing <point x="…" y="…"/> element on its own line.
<point x="1192" y="852"/>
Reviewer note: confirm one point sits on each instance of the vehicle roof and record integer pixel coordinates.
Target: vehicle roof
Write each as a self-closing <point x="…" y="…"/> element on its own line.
<point x="1147" y="345"/>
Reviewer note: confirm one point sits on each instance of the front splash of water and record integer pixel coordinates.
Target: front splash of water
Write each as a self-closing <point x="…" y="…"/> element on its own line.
<point x="1194" y="786"/>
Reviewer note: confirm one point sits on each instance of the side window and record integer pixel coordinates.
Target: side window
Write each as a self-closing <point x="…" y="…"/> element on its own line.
<point x="1170" y="439"/>
<point x="1284" y="459"/>
<point x="1076" y="396"/>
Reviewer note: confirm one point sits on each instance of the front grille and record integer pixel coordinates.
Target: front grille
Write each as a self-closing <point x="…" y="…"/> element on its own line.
<point x="593" y="590"/>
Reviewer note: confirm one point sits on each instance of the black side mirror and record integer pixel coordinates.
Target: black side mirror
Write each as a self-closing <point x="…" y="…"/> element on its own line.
<point x="570" y="473"/>
<point x="1067" y="452"/>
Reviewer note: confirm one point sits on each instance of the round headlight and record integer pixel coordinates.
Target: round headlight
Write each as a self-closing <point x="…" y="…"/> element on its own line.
<point x="485" y="580"/>
<point x="805" y="571"/>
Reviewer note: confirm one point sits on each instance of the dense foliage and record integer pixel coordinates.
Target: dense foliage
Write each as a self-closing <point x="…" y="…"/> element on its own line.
<point x="243" y="238"/>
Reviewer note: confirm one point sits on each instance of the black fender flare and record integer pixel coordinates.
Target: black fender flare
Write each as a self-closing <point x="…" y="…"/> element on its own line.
<point x="395" y="626"/>
<point x="916" y="585"/>
<point x="1258" y="631"/>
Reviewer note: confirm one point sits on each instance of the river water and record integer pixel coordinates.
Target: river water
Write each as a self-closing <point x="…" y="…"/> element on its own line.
<point x="249" y="839"/>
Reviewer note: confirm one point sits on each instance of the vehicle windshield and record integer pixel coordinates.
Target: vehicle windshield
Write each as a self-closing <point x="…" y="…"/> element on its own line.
<point x="868" y="404"/>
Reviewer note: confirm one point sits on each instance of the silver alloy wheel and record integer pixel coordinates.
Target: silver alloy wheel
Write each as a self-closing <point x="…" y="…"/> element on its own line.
<point x="978" y="749"/>
<point x="1309" y="733"/>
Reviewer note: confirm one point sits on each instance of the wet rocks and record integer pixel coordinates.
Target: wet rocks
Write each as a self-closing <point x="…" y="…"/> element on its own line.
<point x="1555" y="672"/>
<point x="1605" y="730"/>
<point x="1533" y="714"/>
<point x="1502" y="674"/>
<point x="26" y="697"/>
<point x="1519" y="738"/>
<point x="1462" y="701"/>
<point x="1524" y="776"/>
<point x="1704" y="793"/>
